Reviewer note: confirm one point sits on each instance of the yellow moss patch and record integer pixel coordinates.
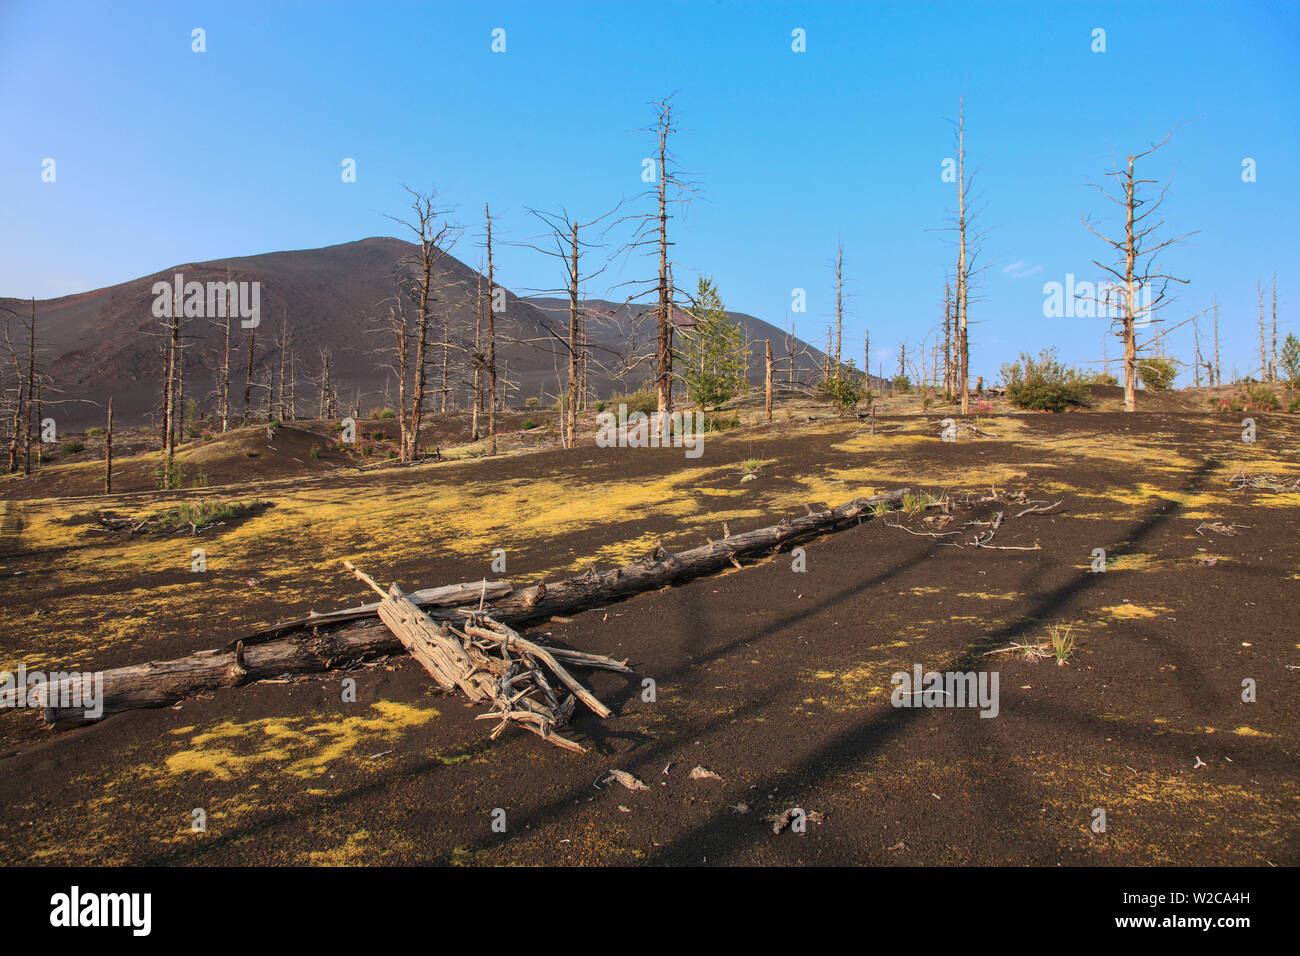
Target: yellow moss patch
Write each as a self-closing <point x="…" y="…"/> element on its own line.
<point x="302" y="747"/>
<point x="1131" y="612"/>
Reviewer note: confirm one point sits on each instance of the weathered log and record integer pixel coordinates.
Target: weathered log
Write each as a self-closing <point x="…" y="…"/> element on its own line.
<point x="449" y="595"/>
<point x="317" y="648"/>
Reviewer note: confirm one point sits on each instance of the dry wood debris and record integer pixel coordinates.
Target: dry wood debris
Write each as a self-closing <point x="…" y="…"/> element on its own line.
<point x="491" y="663"/>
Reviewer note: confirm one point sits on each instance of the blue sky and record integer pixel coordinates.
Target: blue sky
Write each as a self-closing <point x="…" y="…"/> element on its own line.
<point x="167" y="156"/>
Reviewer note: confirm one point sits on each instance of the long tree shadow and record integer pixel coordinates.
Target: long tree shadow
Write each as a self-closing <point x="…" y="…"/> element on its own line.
<point x="869" y="736"/>
<point x="555" y="809"/>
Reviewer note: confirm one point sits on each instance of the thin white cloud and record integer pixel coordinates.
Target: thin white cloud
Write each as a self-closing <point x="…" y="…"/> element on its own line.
<point x="1020" y="269"/>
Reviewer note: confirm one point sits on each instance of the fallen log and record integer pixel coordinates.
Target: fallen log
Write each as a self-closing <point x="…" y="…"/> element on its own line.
<point x="317" y="648"/>
<point x="449" y="595"/>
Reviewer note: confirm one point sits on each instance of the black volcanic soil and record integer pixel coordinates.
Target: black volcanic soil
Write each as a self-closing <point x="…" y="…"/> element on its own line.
<point x="778" y="682"/>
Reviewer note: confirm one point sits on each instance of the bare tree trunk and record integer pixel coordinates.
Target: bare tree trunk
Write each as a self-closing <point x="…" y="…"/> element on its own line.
<point x="1196" y="344"/>
<point x="478" y="362"/>
<point x="225" y="359"/>
<point x="664" y="348"/>
<point x="19" y="417"/>
<point x="492" y="341"/>
<point x="248" y="372"/>
<point x="1130" y="293"/>
<point x="1272" y="377"/>
<point x="829" y="346"/>
<point x="839" y="304"/>
<point x="108" y="450"/>
<point x="281" y="412"/>
<point x="165" y="422"/>
<point x="169" y="407"/>
<point x="1218" y="369"/>
<point x="40" y="444"/>
<point x="963" y="364"/>
<point x="293" y="389"/>
<point x="947" y="340"/>
<point x="180" y="392"/>
<point x="584" y="360"/>
<point x="1263" y="354"/>
<point x="767" y="383"/>
<point x="326" y="401"/>
<point x="571" y="416"/>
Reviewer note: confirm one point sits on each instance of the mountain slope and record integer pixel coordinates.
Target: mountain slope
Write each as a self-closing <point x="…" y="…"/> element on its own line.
<point x="108" y="342"/>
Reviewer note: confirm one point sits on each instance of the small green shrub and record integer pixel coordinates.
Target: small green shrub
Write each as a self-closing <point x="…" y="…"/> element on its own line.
<point x="843" y="392"/>
<point x="645" y="400"/>
<point x="72" y="447"/>
<point x="533" y="403"/>
<point x="1156" y="374"/>
<point x="1262" y="398"/>
<point x="716" y="424"/>
<point x="1290" y="360"/>
<point x="316" y="451"/>
<point x="1043" y="383"/>
<point x="96" y="432"/>
<point x="385" y="413"/>
<point x="1101" y="378"/>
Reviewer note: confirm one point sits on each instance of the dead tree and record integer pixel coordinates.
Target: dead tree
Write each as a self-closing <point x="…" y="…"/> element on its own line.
<point x="492" y="338"/>
<point x="1272" y="377"/>
<point x="767" y="382"/>
<point x="108" y="450"/>
<point x="284" y="355"/>
<point x="248" y="373"/>
<point x="651" y="230"/>
<point x="293" y="389"/>
<point x="32" y="385"/>
<point x="664" y="349"/>
<point x="839" y="304"/>
<point x="223" y="395"/>
<point x="1218" y="369"/>
<point x="963" y="274"/>
<point x="325" y="400"/>
<point x="947" y="341"/>
<point x="436" y="236"/>
<point x="169" y="393"/>
<point x="1263" y="353"/>
<point x="566" y="247"/>
<point x="1138" y="270"/>
<point x="19" y="414"/>
<point x="1196" y="346"/>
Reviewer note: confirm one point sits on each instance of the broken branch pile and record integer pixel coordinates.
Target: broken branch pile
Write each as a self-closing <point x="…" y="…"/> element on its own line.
<point x="477" y="660"/>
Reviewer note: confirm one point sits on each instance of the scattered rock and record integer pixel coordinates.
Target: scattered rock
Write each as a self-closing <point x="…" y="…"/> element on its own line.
<point x="782" y="820"/>
<point x="626" y="779"/>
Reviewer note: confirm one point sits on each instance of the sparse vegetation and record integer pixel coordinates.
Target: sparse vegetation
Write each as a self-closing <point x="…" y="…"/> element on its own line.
<point x="643" y="400"/>
<point x="1157" y="374"/>
<point x="844" y="391"/>
<point x="1062" y="640"/>
<point x="1043" y="383"/>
